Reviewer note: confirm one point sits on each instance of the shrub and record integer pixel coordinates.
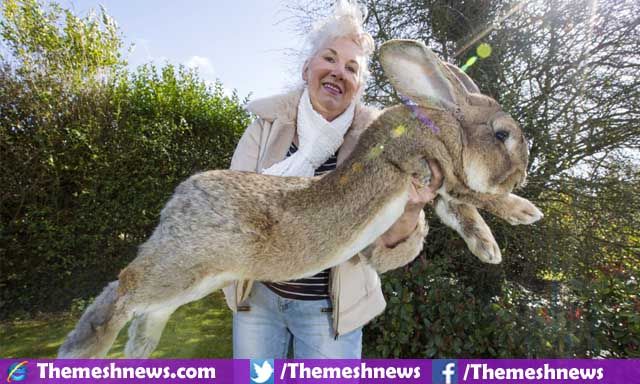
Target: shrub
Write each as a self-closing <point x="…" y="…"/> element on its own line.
<point x="90" y="153"/>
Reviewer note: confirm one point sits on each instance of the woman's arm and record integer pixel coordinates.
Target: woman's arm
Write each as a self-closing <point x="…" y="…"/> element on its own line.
<point x="383" y="258"/>
<point x="419" y="196"/>
<point x="404" y="240"/>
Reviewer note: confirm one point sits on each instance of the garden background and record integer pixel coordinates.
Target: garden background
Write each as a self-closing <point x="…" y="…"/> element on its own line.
<point x="90" y="150"/>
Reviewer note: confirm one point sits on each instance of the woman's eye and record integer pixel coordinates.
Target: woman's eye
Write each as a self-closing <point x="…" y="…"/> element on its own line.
<point x="329" y="59"/>
<point x="352" y="69"/>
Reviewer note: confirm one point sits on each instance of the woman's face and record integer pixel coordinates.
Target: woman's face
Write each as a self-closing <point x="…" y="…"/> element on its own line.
<point x="333" y="76"/>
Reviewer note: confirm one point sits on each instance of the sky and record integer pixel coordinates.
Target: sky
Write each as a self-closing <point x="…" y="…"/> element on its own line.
<point x="246" y="44"/>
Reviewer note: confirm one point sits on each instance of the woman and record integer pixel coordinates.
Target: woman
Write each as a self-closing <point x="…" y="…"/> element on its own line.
<point x="308" y="132"/>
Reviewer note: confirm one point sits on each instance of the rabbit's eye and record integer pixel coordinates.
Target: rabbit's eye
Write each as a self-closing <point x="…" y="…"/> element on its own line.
<point x="502" y="135"/>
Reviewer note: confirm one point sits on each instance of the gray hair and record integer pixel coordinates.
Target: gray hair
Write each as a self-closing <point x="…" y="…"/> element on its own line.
<point x="346" y="20"/>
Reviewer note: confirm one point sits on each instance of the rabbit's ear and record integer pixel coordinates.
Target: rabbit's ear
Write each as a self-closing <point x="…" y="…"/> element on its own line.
<point x="415" y="71"/>
<point x="466" y="81"/>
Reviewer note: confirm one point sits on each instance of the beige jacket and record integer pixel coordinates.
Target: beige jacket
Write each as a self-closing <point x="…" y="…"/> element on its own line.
<point x="354" y="285"/>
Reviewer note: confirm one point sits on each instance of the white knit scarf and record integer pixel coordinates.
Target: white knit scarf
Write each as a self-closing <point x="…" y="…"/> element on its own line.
<point x="319" y="139"/>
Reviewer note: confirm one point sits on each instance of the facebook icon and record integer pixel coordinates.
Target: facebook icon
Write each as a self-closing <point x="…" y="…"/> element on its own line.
<point x="444" y="372"/>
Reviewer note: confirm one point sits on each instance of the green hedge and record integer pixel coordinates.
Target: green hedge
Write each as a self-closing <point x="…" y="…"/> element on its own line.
<point x="86" y="169"/>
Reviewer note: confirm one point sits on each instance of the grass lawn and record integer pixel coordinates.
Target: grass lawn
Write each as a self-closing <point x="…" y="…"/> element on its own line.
<point x="198" y="330"/>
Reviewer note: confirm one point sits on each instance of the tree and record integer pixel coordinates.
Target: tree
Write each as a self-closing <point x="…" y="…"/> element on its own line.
<point x="50" y="39"/>
<point x="567" y="71"/>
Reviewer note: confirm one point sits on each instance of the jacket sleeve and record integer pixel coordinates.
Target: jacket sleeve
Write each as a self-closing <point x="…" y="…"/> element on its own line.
<point x="383" y="259"/>
<point x="245" y="157"/>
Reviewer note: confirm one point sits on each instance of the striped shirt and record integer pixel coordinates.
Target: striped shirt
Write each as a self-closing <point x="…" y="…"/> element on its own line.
<point x="315" y="287"/>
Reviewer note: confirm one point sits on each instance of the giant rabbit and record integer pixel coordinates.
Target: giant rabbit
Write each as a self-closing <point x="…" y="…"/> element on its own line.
<point x="223" y="225"/>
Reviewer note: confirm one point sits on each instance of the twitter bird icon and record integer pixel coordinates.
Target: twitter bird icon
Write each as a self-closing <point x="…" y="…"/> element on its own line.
<point x="262" y="371"/>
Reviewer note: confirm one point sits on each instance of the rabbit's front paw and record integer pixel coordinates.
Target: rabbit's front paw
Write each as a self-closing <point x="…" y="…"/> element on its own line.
<point x="525" y="215"/>
<point x="518" y="211"/>
<point x="486" y="249"/>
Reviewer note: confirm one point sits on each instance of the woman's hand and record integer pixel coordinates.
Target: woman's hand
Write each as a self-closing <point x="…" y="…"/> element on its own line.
<point x="419" y="195"/>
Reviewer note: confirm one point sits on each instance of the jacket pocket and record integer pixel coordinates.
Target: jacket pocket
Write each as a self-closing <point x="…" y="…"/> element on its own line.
<point x="353" y="283"/>
<point x="370" y="275"/>
<point x="372" y="279"/>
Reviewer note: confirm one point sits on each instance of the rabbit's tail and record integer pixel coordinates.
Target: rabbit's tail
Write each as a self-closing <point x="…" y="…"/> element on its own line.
<point x="98" y="327"/>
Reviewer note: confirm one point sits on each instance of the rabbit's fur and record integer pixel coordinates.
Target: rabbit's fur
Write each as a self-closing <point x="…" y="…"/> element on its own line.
<point x="224" y="225"/>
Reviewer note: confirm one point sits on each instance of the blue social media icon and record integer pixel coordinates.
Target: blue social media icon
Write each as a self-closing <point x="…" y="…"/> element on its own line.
<point x="261" y="371"/>
<point x="444" y="371"/>
<point x="17" y="372"/>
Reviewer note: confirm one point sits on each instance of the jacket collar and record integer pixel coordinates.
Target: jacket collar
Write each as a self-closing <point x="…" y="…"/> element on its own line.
<point x="283" y="107"/>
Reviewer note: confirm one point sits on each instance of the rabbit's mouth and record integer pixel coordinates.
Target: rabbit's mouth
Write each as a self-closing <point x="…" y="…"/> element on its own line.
<point x="513" y="180"/>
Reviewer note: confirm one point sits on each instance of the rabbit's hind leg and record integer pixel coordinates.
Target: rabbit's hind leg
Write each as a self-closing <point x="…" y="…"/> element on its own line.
<point x="147" y="326"/>
<point x="145" y="332"/>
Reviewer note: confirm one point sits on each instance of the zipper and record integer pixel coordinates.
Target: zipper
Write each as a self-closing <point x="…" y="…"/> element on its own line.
<point x="335" y="294"/>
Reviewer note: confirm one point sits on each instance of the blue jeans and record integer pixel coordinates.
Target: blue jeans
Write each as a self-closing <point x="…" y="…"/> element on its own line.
<point x="272" y="322"/>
